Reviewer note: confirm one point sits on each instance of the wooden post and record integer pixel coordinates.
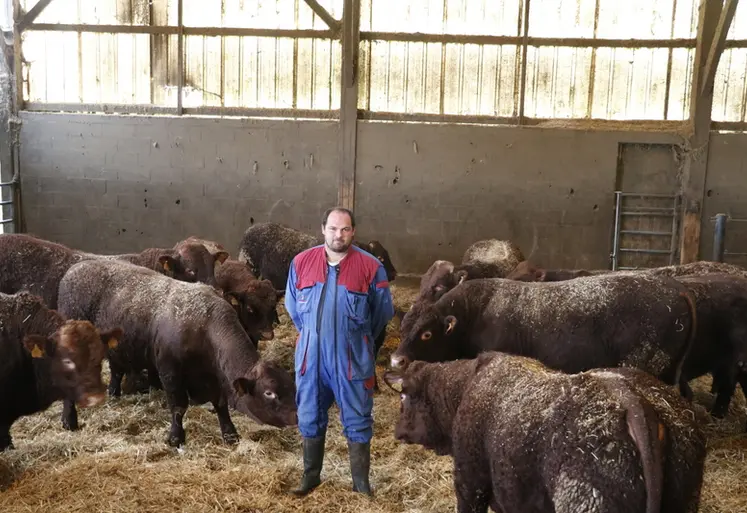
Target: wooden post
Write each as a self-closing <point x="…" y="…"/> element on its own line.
<point x="349" y="102"/>
<point x="713" y="25"/>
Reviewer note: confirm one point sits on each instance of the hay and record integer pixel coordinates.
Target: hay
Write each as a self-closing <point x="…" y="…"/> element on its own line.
<point x="118" y="461"/>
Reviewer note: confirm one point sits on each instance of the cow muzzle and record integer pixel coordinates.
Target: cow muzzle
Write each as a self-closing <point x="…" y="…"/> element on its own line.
<point x="399" y="362"/>
<point x="267" y="334"/>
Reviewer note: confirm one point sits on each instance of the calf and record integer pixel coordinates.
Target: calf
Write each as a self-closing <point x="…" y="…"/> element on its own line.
<point x="190" y="262"/>
<point x="526" y="271"/>
<point x="526" y="438"/>
<point x="721" y="345"/>
<point x="184" y="333"/>
<point x="45" y="358"/>
<point x="269" y="248"/>
<point x="214" y="248"/>
<point x="596" y="321"/>
<point x="255" y="301"/>
<point x="442" y="276"/>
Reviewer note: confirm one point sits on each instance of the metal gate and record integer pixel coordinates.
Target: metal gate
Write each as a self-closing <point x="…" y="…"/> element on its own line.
<point x="646" y="230"/>
<point x="8" y="207"/>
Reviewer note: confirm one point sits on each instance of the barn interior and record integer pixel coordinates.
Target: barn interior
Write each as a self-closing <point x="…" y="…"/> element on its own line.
<point x="594" y="134"/>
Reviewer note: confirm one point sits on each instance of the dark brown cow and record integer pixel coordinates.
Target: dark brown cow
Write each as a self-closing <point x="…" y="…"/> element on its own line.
<point x="255" y="301"/>
<point x="45" y="358"/>
<point x="184" y="333"/>
<point x="190" y="262"/>
<point x="721" y="345"/>
<point x="595" y="321"/>
<point x="698" y="268"/>
<point x="214" y="248"/>
<point x="526" y="438"/>
<point x="526" y="271"/>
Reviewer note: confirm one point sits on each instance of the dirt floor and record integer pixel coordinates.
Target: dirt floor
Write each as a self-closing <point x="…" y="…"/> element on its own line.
<point x="119" y="462"/>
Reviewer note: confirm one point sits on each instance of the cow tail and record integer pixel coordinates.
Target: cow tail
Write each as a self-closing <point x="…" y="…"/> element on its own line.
<point x="649" y="435"/>
<point x="689" y="298"/>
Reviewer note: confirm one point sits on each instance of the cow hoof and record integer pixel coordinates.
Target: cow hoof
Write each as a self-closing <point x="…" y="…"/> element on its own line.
<point x="70" y="425"/>
<point x="718" y="413"/>
<point x="176" y="440"/>
<point x="231" y="438"/>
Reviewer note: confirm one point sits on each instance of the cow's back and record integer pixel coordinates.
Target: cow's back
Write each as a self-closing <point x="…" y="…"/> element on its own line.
<point x="33" y="264"/>
<point x="269" y="248"/>
<point x="575" y="325"/>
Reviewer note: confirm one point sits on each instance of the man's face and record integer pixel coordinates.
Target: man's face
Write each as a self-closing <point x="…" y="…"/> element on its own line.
<point x="338" y="234"/>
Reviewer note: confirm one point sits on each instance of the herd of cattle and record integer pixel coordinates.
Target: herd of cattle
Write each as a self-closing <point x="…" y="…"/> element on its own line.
<point x="553" y="390"/>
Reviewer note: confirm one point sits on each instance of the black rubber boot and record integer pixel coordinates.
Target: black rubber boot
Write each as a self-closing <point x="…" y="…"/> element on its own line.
<point x="360" y="462"/>
<point x="313" y="456"/>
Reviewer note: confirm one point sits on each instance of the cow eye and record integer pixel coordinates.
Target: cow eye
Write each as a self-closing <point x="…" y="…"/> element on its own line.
<point x="426" y="335"/>
<point x="249" y="309"/>
<point x="269" y="394"/>
<point x="68" y="363"/>
<point x="402" y="397"/>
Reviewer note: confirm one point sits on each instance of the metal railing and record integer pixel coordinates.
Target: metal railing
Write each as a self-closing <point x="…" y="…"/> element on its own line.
<point x="9" y="203"/>
<point x="719" y="237"/>
<point x="644" y="211"/>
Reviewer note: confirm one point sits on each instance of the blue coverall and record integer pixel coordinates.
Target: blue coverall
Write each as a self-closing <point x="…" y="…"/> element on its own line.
<point x="338" y="310"/>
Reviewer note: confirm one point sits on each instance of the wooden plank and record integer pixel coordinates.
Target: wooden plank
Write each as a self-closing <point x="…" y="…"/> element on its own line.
<point x="695" y="164"/>
<point x="349" y="102"/>
<point x="717" y="47"/>
<point x="17" y="56"/>
<point x="326" y="17"/>
<point x="180" y="56"/>
<point x="34" y="13"/>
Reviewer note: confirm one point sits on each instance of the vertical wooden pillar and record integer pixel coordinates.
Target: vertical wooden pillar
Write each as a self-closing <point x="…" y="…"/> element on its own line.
<point x="714" y="21"/>
<point x="349" y="103"/>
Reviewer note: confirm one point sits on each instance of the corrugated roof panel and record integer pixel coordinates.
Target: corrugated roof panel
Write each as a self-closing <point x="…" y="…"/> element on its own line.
<point x="561" y="18"/>
<point x="635" y="19"/>
<point x="729" y="86"/>
<point x="738" y="29"/>
<point x="679" y="83"/>
<point x="557" y="83"/>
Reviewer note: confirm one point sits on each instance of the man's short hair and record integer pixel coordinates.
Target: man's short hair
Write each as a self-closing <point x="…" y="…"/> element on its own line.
<point x="338" y="209"/>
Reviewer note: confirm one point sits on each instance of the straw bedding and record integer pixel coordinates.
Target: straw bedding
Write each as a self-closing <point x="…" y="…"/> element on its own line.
<point x="118" y="461"/>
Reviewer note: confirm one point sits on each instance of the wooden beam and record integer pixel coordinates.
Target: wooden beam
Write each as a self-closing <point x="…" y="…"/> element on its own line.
<point x="695" y="147"/>
<point x="326" y="17"/>
<point x="17" y="56"/>
<point x="349" y="103"/>
<point x="717" y="47"/>
<point x="34" y="13"/>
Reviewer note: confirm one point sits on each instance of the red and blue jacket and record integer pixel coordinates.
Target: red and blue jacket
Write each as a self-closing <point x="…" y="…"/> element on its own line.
<point x="356" y="293"/>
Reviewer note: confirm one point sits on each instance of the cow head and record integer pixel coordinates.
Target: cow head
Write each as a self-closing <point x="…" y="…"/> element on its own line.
<point x="440" y="278"/>
<point x="72" y="357"/>
<point x="191" y="263"/>
<point x="525" y="271"/>
<point x="427" y="335"/>
<point x="256" y="308"/>
<point x="376" y="249"/>
<point x="214" y="248"/>
<point x="267" y="394"/>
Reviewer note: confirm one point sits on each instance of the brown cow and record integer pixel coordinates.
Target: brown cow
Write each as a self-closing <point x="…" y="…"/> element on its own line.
<point x="596" y="321"/>
<point x="184" y="333"/>
<point x="526" y="438"/>
<point x="214" y="248"/>
<point x="526" y="271"/>
<point x="255" y="301"/>
<point x="45" y="358"/>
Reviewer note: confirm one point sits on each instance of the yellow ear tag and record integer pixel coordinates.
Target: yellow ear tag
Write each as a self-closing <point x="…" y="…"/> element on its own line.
<point x="113" y="343"/>
<point x="234" y="302"/>
<point x="36" y="352"/>
<point x="166" y="266"/>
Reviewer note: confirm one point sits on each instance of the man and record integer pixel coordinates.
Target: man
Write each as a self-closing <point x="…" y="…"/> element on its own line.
<point x="338" y="297"/>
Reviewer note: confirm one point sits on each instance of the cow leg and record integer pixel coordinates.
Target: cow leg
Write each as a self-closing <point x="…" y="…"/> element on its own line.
<point x="685" y="390"/>
<point x="227" y="429"/>
<point x="178" y="401"/>
<point x="377" y="347"/>
<point x="6" y="442"/>
<point x="153" y="380"/>
<point x="69" y="415"/>
<point x="115" y="381"/>
<point x="726" y="387"/>
<point x="471" y="498"/>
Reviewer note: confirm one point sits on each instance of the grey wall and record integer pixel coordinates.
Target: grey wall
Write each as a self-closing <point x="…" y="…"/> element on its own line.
<point x="426" y="191"/>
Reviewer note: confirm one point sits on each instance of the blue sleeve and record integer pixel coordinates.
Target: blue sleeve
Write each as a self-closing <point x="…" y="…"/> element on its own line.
<point x="290" y="296"/>
<point x="380" y="301"/>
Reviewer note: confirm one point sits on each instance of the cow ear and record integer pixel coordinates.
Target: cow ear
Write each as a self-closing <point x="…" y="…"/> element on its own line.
<point x="221" y="256"/>
<point x="372" y="245"/>
<point x="394" y="380"/>
<point x="243" y="386"/>
<point x="36" y="345"/>
<point x="231" y="298"/>
<point x="460" y="276"/>
<point x="111" y="338"/>
<point x="449" y="324"/>
<point x="168" y="264"/>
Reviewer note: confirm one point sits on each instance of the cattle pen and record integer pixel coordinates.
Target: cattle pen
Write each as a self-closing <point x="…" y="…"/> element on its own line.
<point x="600" y="135"/>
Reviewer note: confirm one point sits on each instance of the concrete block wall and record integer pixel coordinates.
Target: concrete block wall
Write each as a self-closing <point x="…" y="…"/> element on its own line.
<point x="118" y="183"/>
<point x="426" y="191"/>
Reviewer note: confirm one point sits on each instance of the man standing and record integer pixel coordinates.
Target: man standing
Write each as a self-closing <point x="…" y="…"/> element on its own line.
<point x="338" y="297"/>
